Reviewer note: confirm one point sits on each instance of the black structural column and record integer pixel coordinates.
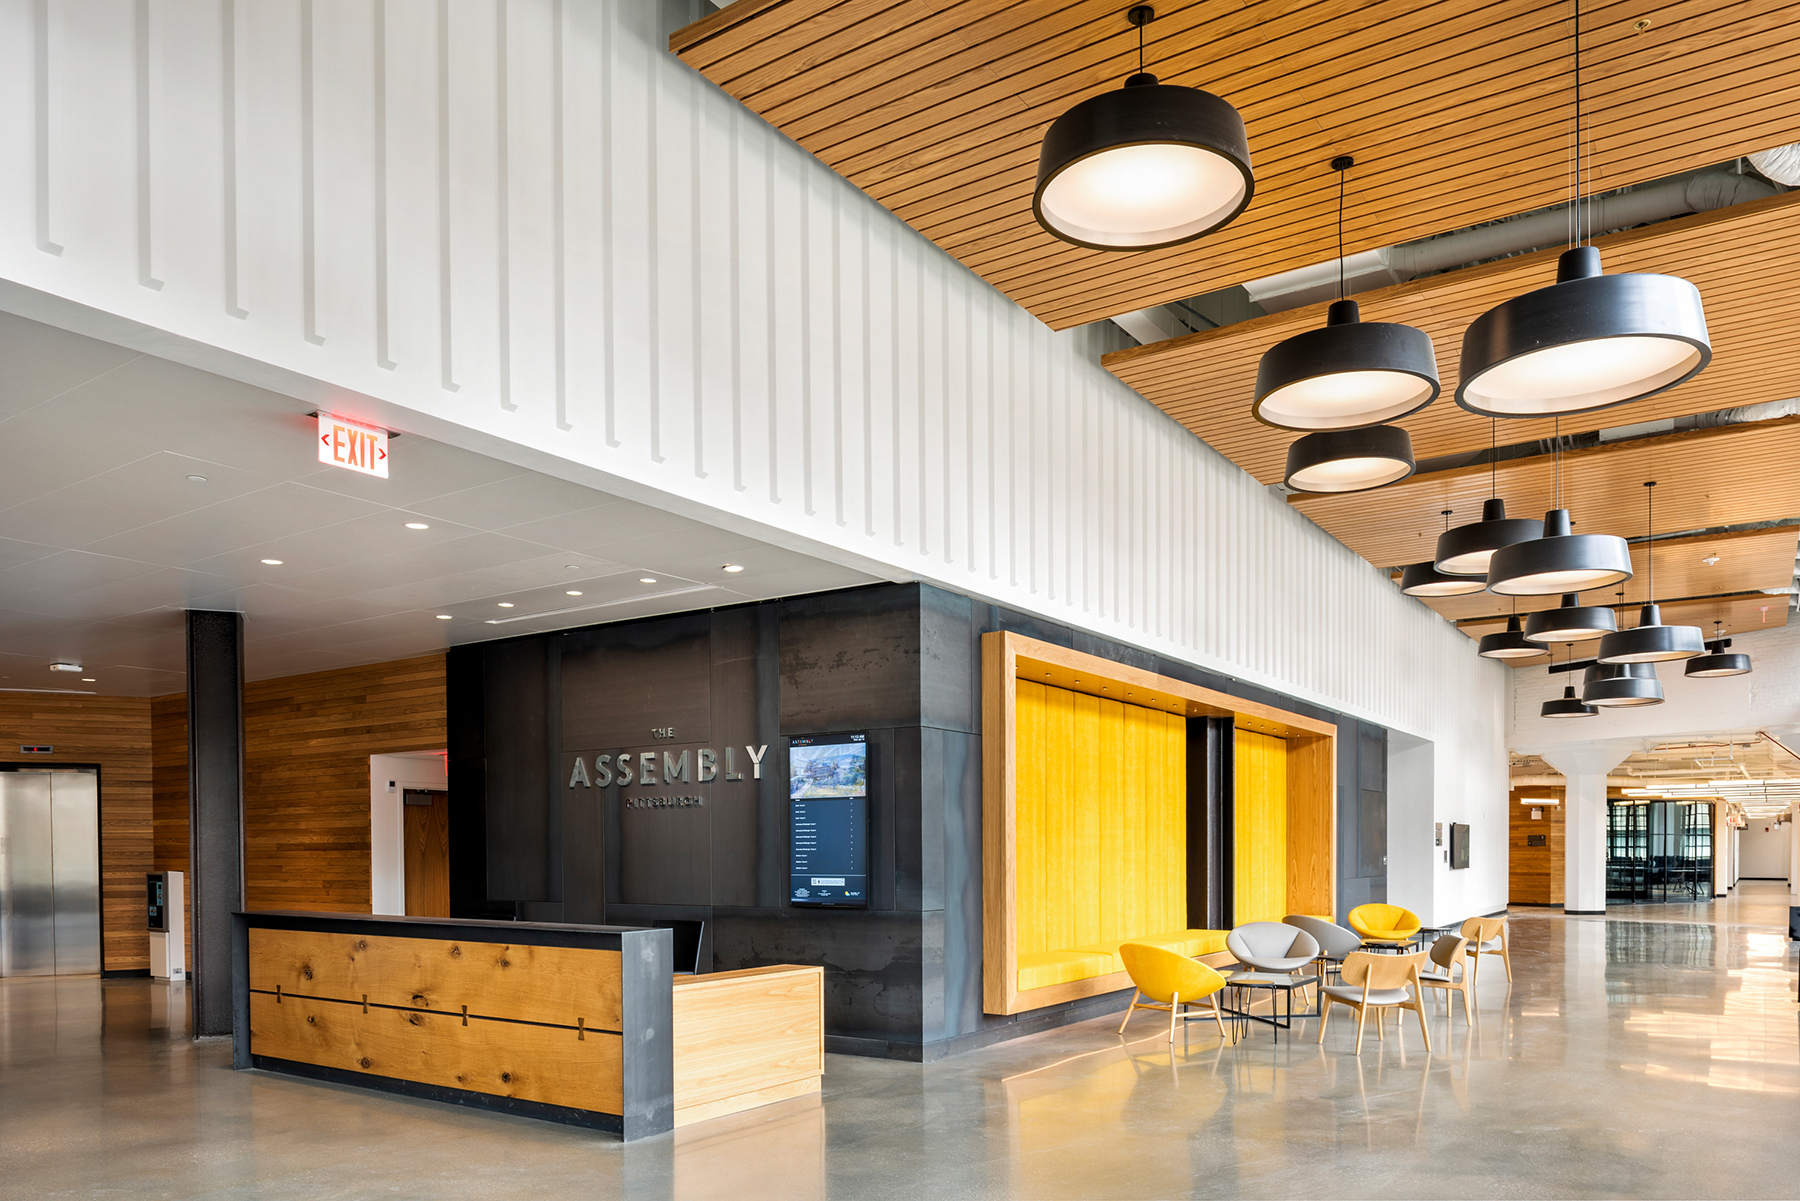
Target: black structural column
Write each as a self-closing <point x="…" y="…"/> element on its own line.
<point x="215" y="692"/>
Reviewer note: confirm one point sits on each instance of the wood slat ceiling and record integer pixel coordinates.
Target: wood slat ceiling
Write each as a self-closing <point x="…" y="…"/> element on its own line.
<point x="1749" y="561"/>
<point x="1457" y="112"/>
<point x="1742" y="259"/>
<point x="1706" y="479"/>
<point x="1743" y="614"/>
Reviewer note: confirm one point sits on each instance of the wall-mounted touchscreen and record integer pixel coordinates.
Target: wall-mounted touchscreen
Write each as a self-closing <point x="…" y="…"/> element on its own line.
<point x="828" y="827"/>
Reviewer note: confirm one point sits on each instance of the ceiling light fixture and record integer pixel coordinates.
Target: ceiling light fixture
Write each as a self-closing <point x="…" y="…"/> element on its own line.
<point x="197" y="479"/>
<point x="417" y="525"/>
<point x="1424" y="579"/>
<point x="571" y="592"/>
<point x="734" y="567"/>
<point x="1509" y="643"/>
<point x="1559" y="561"/>
<point x="1570" y="622"/>
<point x="1469" y="549"/>
<point x="87" y="679"/>
<point x="443" y="617"/>
<point x="504" y="604"/>
<point x="1715" y="662"/>
<point x="1588" y="341"/>
<point x="1349" y="460"/>
<point x="1710" y="560"/>
<point x="646" y="579"/>
<point x="1143" y="167"/>
<point x="1568" y="705"/>
<point x="1651" y="641"/>
<point x="70" y="667"/>
<point x="1621" y="685"/>
<point x="272" y="562"/>
<point x="1348" y="373"/>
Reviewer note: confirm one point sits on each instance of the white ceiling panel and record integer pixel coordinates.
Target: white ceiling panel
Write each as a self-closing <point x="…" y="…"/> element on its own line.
<point x="515" y="501"/>
<point x="104" y="541"/>
<point x="43" y="362"/>
<point x="159" y="485"/>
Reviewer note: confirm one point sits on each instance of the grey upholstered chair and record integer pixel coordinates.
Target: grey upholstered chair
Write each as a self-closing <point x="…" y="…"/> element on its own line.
<point x="1272" y="946"/>
<point x="1334" y="941"/>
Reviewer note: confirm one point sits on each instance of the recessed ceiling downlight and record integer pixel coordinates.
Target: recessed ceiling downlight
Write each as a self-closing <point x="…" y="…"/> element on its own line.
<point x="272" y="562"/>
<point x="417" y="525"/>
<point x="1146" y="166"/>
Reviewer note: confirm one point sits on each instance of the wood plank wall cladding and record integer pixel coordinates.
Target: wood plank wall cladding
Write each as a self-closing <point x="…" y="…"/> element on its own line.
<point x="1311" y="826"/>
<point x="1535" y="873"/>
<point x="306" y="775"/>
<point x="113" y="732"/>
<point x="1456" y="113"/>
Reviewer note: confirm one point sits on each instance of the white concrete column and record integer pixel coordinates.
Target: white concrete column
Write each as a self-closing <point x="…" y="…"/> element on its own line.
<point x="1584" y="822"/>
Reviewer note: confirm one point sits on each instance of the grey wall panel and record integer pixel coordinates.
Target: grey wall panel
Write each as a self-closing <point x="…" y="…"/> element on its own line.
<point x="27" y="876"/>
<point x="960" y="758"/>
<point x="75" y="850"/>
<point x="515" y="718"/>
<point x="735" y="813"/>
<point x="850" y="660"/>
<point x="872" y="961"/>
<point x="949" y="661"/>
<point x="215" y="698"/>
<point x="623" y="680"/>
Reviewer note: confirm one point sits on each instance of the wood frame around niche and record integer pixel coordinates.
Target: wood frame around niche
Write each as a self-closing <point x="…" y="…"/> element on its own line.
<point x="1312" y="781"/>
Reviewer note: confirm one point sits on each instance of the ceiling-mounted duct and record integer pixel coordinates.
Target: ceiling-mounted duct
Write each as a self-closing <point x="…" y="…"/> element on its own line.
<point x="1782" y="164"/>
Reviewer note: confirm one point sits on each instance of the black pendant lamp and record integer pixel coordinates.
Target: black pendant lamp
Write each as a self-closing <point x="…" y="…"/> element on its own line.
<point x="1651" y="641"/>
<point x="1569" y="705"/>
<point x="1621" y="685"/>
<point x="1559" y="561"/>
<point x="1715" y="662"/>
<point x="1147" y="166"/>
<point x="1468" y="549"/>
<point x="1571" y="622"/>
<point x="1349" y="460"/>
<point x="1588" y="341"/>
<point x="1509" y="643"/>
<point x="1349" y="373"/>
<point x="1424" y="579"/>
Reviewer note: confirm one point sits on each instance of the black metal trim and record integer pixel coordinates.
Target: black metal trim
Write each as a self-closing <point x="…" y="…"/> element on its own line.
<point x="612" y="1123"/>
<point x="518" y="934"/>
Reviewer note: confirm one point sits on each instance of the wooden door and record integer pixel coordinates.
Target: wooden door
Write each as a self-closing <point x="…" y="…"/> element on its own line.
<point x="427" y="853"/>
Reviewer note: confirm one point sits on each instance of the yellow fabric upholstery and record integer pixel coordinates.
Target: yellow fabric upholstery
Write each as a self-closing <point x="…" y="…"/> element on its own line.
<point x="1160" y="974"/>
<point x="1384" y="923"/>
<point x="1040" y="969"/>
<point x="1260" y="827"/>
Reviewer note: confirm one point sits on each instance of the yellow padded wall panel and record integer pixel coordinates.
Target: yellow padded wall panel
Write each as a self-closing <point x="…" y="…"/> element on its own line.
<point x="1101" y="820"/>
<point x="1260" y="828"/>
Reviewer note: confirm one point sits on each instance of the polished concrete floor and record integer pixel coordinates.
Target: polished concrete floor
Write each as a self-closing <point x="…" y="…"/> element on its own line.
<point x="1651" y="1053"/>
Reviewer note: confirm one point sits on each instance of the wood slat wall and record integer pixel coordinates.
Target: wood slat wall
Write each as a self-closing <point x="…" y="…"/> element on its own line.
<point x="1535" y="874"/>
<point x="1207" y="380"/>
<point x="306" y="776"/>
<point x="115" y="733"/>
<point x="1457" y="112"/>
<point x="1705" y="479"/>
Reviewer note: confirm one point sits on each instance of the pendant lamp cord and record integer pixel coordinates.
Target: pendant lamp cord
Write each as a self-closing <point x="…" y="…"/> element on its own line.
<point x="1580" y="235"/>
<point x="1341" y="177"/>
<point x="1577" y="59"/>
<point x="1494" y="456"/>
<point x="1650" y="541"/>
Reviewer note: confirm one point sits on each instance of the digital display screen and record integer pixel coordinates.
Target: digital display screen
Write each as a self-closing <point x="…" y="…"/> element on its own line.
<point x="154" y="902"/>
<point x="828" y="824"/>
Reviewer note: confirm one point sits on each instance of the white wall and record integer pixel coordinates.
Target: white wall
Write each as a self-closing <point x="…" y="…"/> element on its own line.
<point x="522" y="227"/>
<point x="1416" y="869"/>
<point x="389" y="778"/>
<point x="1763" y="851"/>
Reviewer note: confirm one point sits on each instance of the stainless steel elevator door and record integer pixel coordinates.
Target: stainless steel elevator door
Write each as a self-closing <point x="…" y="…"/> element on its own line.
<point x="49" y="873"/>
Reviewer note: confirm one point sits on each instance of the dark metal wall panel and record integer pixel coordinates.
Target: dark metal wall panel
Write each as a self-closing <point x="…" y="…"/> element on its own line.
<point x="734" y="815"/>
<point x="517" y="736"/>
<point x="850" y="660"/>
<point x="465" y="728"/>
<point x="622" y="680"/>
<point x="1211" y="789"/>
<point x="215" y="691"/>
<point x="949" y="661"/>
<point x="873" y="962"/>
<point x="952" y="765"/>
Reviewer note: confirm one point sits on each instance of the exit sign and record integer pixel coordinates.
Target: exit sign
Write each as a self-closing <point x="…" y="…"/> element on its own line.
<point x="352" y="445"/>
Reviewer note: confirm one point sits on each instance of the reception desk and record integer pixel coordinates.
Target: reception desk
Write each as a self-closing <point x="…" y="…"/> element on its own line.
<point x="585" y="1025"/>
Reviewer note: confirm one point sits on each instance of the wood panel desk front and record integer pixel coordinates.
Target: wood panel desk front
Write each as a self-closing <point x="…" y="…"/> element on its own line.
<point x="585" y="1025"/>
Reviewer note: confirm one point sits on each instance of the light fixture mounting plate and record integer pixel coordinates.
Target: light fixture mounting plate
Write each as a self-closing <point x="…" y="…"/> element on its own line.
<point x="1140" y="14"/>
<point x="1342" y="162"/>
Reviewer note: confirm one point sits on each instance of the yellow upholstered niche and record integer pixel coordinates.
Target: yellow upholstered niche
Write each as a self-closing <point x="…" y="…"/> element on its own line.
<point x="1260" y="813"/>
<point x="1101" y="834"/>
